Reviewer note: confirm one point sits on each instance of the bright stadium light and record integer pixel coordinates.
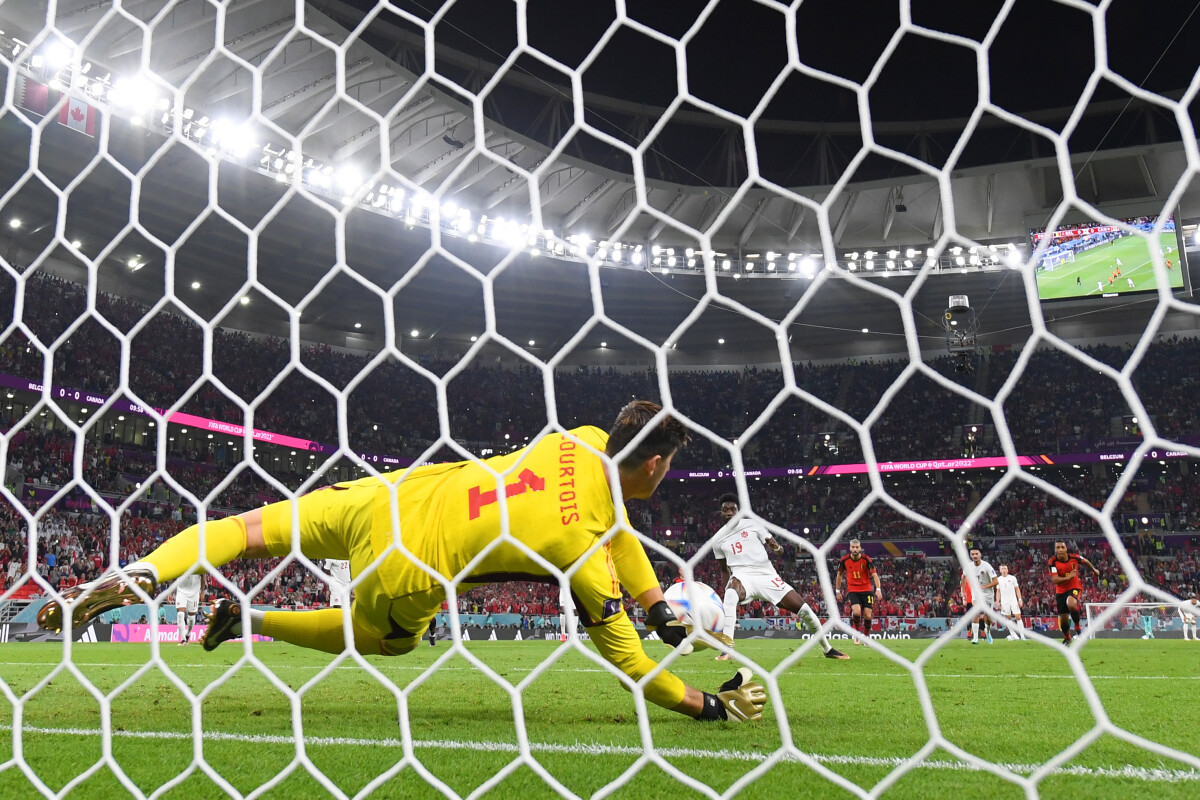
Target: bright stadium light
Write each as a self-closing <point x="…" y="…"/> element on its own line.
<point x="58" y="55"/>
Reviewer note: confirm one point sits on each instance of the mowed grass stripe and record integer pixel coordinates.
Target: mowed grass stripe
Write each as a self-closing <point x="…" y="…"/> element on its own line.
<point x="1161" y="774"/>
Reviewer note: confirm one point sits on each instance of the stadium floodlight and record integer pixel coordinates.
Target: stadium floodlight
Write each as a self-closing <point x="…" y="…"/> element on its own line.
<point x="58" y="55"/>
<point x="870" y="263"/>
<point x="414" y="333"/>
<point x="866" y="330"/>
<point x="76" y="244"/>
<point x="348" y="179"/>
<point x="960" y="260"/>
<point x="636" y="258"/>
<point x="908" y="264"/>
<point x="655" y="249"/>
<point x="893" y="253"/>
<point x="726" y="265"/>
<point x="14" y="223"/>
<point x="531" y="343"/>
<point x="720" y="341"/>
<point x="195" y="284"/>
<point x="244" y="301"/>
<point x="891" y="264"/>
<point x="910" y="253"/>
<point x="137" y="95"/>
<point x="808" y="264"/>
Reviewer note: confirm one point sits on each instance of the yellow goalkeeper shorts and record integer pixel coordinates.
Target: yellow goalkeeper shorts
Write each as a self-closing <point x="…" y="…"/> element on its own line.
<point x="337" y="522"/>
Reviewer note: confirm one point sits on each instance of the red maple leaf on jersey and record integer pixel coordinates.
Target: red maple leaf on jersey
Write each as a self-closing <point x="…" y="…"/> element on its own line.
<point x="77" y="114"/>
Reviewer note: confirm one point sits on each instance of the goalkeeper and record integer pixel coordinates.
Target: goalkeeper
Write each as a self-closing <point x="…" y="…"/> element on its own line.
<point x="559" y="504"/>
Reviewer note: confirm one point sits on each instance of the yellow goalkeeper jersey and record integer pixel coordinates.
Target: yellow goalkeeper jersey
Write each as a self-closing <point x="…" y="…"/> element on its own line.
<point x="558" y="506"/>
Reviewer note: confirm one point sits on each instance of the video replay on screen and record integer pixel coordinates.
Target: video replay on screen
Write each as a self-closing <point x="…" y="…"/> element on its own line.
<point x="1093" y="260"/>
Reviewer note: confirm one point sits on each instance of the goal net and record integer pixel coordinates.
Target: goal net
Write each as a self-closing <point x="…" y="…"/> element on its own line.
<point x="253" y="248"/>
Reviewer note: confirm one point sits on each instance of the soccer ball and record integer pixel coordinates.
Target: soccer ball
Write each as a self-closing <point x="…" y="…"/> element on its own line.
<point x="700" y="607"/>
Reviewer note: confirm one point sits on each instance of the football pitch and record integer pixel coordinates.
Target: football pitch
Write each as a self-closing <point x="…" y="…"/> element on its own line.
<point x="1079" y="278"/>
<point x="1011" y="702"/>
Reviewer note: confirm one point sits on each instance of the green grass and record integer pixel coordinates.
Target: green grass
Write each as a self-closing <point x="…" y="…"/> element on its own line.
<point x="1009" y="702"/>
<point x="1097" y="264"/>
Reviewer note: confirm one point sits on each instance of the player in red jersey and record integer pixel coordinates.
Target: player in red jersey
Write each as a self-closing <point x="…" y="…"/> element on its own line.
<point x="859" y="573"/>
<point x="1064" y="574"/>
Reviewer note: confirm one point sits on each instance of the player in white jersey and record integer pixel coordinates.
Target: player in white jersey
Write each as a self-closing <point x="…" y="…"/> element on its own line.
<point x="747" y="574"/>
<point x="1188" y="612"/>
<point x="187" y="604"/>
<point x="987" y="583"/>
<point x="1011" y="602"/>
<point x="339" y="583"/>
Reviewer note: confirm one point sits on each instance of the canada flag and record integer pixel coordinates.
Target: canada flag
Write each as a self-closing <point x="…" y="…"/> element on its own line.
<point x="79" y="116"/>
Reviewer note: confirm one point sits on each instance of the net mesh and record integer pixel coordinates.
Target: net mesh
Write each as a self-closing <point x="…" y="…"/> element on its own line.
<point x="200" y="150"/>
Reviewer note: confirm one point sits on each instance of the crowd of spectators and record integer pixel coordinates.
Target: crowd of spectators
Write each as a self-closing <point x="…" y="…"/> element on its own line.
<point x="1059" y="402"/>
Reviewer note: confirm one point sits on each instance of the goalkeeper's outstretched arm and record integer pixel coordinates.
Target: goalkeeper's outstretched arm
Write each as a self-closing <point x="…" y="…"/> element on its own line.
<point x="614" y="636"/>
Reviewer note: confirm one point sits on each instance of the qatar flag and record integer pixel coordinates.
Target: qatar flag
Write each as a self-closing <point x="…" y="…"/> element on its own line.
<point x="78" y="115"/>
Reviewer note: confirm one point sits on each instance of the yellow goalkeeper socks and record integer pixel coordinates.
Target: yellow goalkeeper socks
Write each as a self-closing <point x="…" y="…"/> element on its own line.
<point x="316" y="630"/>
<point x="224" y="540"/>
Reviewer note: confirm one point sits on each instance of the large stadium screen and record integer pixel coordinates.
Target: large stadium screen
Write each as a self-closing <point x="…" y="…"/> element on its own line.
<point x="1097" y="260"/>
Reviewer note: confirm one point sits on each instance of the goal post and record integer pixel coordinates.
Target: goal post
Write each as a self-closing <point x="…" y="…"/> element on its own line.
<point x="1135" y="620"/>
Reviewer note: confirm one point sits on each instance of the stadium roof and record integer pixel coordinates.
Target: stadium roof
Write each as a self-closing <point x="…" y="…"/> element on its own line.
<point x="314" y="105"/>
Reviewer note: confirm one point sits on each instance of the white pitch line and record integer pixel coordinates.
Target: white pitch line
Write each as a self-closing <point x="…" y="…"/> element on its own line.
<point x="421" y="668"/>
<point x="1159" y="774"/>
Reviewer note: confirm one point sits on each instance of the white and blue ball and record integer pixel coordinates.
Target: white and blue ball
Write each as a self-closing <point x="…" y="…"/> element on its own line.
<point x="696" y="604"/>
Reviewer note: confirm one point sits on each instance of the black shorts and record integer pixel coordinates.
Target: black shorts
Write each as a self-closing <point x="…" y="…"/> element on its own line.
<point x="864" y="599"/>
<point x="1061" y="600"/>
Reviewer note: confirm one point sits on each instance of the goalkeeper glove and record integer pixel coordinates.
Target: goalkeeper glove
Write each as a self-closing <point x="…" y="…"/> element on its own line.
<point x="738" y="699"/>
<point x="662" y="620"/>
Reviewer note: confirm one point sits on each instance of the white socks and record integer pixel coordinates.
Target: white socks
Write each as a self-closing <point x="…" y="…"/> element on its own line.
<point x="807" y="618"/>
<point x="731" y="603"/>
<point x="975" y="631"/>
<point x="181" y="625"/>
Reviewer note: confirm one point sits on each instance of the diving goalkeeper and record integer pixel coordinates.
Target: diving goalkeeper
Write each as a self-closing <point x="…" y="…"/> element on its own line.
<point x="559" y="504"/>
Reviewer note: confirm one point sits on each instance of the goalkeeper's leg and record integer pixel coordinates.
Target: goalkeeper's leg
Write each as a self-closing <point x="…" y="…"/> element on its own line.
<point x="332" y="525"/>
